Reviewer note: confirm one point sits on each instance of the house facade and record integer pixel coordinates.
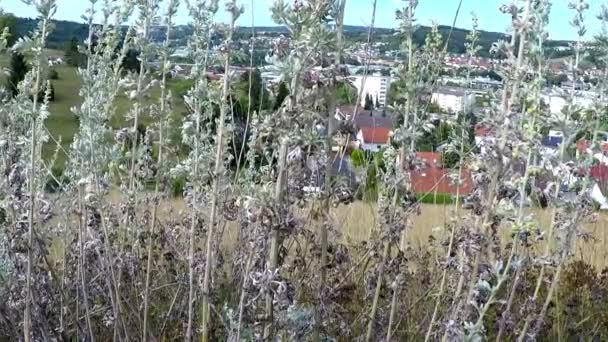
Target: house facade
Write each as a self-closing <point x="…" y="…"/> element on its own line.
<point x="453" y="100"/>
<point x="373" y="139"/>
<point x="375" y="85"/>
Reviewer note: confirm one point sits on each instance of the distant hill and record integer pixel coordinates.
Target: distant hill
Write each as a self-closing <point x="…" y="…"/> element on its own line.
<point x="62" y="32"/>
<point x="66" y="30"/>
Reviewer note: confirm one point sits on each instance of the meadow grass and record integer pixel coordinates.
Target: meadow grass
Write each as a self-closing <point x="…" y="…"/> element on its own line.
<point x="355" y="223"/>
<point x="63" y="124"/>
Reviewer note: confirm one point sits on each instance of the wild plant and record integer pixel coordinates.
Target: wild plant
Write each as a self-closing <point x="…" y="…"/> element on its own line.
<point x="81" y="264"/>
<point x="162" y="115"/>
<point x="91" y="153"/>
<point x="25" y="206"/>
<point x="197" y="136"/>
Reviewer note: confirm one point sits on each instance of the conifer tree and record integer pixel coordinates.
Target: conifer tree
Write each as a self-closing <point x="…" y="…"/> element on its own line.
<point x="18" y="70"/>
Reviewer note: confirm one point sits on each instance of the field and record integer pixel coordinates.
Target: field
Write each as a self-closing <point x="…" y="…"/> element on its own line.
<point x="63" y="124"/>
<point x="356" y="222"/>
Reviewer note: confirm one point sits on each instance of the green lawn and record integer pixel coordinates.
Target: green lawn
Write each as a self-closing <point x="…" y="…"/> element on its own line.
<point x="63" y="124"/>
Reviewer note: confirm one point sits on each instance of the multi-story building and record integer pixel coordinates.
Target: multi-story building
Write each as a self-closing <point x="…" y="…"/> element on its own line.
<point x="558" y="100"/>
<point x="453" y="100"/>
<point x="375" y="85"/>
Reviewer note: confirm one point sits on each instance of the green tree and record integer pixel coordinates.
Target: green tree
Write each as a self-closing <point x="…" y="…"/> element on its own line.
<point x="396" y="92"/>
<point x="8" y="21"/>
<point x="371" y="164"/>
<point x="53" y="75"/>
<point x="131" y="61"/>
<point x="282" y="94"/>
<point x="180" y="87"/>
<point x="73" y="57"/>
<point x="369" y="102"/>
<point x="259" y="100"/>
<point x="42" y="92"/>
<point x="435" y="108"/>
<point x="346" y="94"/>
<point x="18" y="69"/>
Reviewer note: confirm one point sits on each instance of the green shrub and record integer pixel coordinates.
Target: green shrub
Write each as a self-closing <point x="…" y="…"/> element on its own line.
<point x="56" y="180"/>
<point x="53" y="74"/>
<point x="180" y="87"/>
<point x="432" y="198"/>
<point x="358" y="158"/>
<point x="178" y="184"/>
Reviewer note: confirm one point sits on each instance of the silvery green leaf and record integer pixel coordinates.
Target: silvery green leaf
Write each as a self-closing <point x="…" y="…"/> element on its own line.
<point x="484" y="285"/>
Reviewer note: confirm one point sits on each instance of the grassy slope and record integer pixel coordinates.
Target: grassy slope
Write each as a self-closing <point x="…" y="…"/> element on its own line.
<point x="63" y="124"/>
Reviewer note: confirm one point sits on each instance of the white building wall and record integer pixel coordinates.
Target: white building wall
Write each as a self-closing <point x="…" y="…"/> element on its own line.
<point x="367" y="146"/>
<point x="453" y="103"/>
<point x="375" y="85"/>
<point x="557" y="103"/>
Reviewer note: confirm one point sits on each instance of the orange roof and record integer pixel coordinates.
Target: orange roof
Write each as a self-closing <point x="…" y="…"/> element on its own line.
<point x="435" y="179"/>
<point x="431" y="159"/>
<point x="483" y="131"/>
<point x="376" y="135"/>
<point x="582" y="145"/>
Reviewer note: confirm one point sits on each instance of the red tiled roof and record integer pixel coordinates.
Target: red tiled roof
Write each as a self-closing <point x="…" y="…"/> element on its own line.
<point x="599" y="173"/>
<point x="483" y="131"/>
<point x="583" y="145"/>
<point x="435" y="179"/>
<point x="431" y="159"/>
<point x="376" y="135"/>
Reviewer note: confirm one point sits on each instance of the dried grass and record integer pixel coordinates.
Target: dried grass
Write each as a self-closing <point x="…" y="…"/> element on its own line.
<point x="356" y="222"/>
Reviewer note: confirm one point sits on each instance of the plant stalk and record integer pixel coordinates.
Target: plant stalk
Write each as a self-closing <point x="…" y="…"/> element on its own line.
<point x="275" y="240"/>
<point x="219" y="165"/>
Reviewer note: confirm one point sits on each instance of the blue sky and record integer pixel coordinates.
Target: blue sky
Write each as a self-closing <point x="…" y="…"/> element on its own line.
<point x="359" y="13"/>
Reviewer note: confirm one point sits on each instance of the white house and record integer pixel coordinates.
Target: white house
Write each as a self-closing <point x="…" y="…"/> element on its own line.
<point x="453" y="100"/>
<point x="373" y="139"/>
<point x="557" y="101"/>
<point x="375" y="85"/>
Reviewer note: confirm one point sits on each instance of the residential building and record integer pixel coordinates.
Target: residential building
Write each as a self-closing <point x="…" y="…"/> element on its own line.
<point x="483" y="134"/>
<point x="453" y="100"/>
<point x="433" y="178"/>
<point x="375" y="85"/>
<point x="373" y="127"/>
<point x="373" y="139"/>
<point x="365" y="118"/>
<point x="464" y="61"/>
<point x="346" y="112"/>
<point x="341" y="171"/>
<point x="583" y="146"/>
<point x="557" y="100"/>
<point x="370" y="119"/>
<point x="485" y="83"/>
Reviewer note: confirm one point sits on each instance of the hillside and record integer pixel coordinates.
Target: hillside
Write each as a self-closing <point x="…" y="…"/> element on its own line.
<point x="66" y="30"/>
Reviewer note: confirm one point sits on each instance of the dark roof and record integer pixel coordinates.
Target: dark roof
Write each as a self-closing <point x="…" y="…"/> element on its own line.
<point x="552" y="141"/>
<point x="374" y="119"/>
<point x="348" y="110"/>
<point x="451" y="91"/>
<point x="342" y="171"/>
